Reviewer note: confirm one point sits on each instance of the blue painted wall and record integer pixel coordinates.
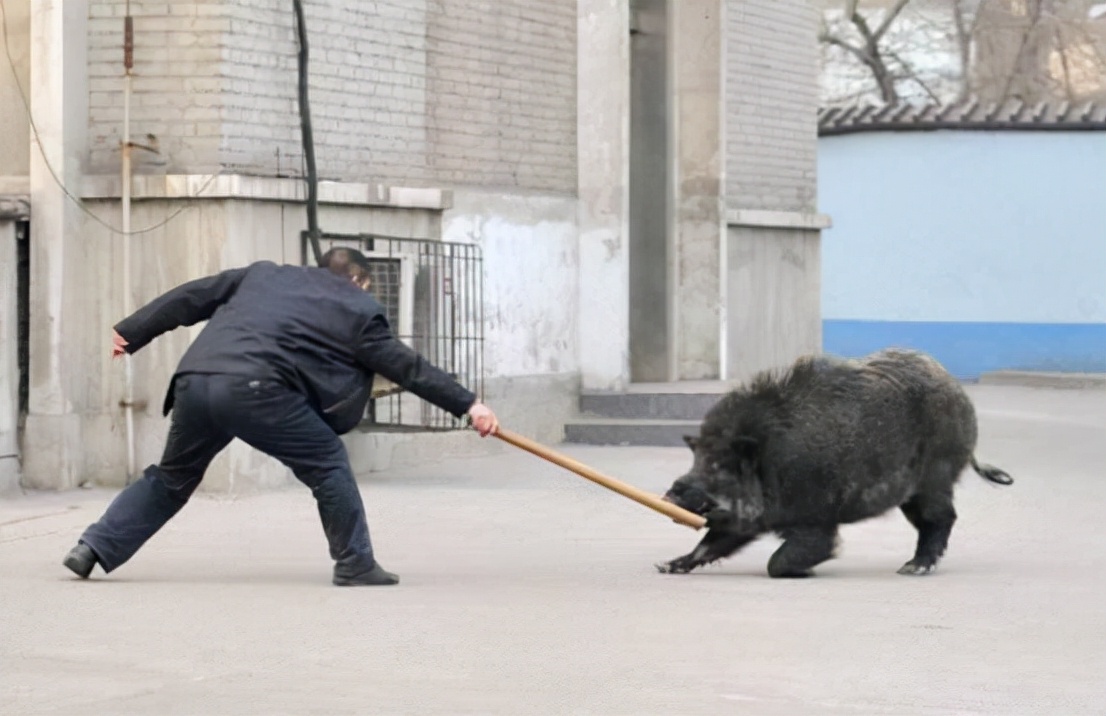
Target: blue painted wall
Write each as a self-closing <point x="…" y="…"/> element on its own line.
<point x="987" y="249"/>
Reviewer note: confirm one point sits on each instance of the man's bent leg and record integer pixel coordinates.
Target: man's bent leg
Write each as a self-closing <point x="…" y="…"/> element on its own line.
<point x="279" y="422"/>
<point x="144" y="506"/>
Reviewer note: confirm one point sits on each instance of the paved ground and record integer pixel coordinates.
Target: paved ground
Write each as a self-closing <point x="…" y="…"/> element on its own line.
<point x="527" y="590"/>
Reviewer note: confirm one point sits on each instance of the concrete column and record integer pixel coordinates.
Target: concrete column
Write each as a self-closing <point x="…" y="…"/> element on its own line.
<point x="9" y="357"/>
<point x="603" y="137"/>
<point x="59" y="300"/>
<point x="696" y="255"/>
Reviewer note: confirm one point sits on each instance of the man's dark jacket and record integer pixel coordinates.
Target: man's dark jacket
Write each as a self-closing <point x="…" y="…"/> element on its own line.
<point x="314" y="331"/>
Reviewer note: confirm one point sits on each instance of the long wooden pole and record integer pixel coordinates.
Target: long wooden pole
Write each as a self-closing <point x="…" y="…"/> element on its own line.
<point x="678" y="514"/>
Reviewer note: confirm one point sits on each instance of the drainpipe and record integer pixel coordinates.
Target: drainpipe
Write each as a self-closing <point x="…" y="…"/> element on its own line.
<point x="128" y="396"/>
<point x="312" y="232"/>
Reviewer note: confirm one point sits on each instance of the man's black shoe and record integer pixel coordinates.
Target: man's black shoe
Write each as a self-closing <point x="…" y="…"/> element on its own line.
<point x="81" y="559"/>
<point x="375" y="577"/>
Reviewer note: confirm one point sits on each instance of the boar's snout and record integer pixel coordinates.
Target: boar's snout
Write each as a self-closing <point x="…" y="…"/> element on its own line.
<point x="690" y="498"/>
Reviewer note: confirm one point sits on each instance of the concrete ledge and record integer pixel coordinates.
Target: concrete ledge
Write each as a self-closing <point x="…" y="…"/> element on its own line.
<point x="237" y="186"/>
<point x="1041" y="379"/>
<point x="14" y="208"/>
<point x="15" y="198"/>
<point x="777" y="219"/>
<point x="17" y="185"/>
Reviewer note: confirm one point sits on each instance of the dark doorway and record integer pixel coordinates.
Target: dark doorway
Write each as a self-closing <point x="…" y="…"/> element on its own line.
<point x="23" y="312"/>
<point x="649" y="191"/>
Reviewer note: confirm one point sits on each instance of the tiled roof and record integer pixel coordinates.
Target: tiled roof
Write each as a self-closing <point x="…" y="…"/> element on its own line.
<point x="968" y="114"/>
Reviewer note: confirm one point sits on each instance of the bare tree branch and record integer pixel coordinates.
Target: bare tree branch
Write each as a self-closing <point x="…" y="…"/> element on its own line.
<point x="891" y="15"/>
<point x="1019" y="58"/>
<point x="883" y="78"/>
<point x="947" y="51"/>
<point x="910" y="75"/>
<point x="856" y="52"/>
<point x="964" y="47"/>
<point x="1069" y="91"/>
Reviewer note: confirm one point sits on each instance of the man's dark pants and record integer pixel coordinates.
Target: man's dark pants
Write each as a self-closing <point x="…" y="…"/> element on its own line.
<point x="208" y="412"/>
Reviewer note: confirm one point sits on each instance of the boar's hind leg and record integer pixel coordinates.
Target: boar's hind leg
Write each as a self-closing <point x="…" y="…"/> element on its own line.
<point x="933" y="516"/>
<point x="803" y="549"/>
<point x="717" y="544"/>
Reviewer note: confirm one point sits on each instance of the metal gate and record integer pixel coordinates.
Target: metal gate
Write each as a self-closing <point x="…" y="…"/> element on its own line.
<point x="432" y="293"/>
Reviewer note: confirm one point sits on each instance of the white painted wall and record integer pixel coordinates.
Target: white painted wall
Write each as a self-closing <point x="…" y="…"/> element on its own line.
<point x="965" y="226"/>
<point x="531" y="257"/>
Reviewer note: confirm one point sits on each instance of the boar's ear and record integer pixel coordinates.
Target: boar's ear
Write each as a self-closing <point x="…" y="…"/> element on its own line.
<point x="746" y="447"/>
<point x="692" y="441"/>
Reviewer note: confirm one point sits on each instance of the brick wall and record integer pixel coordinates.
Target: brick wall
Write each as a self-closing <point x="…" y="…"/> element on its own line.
<point x="177" y="60"/>
<point x="414" y="92"/>
<point x="502" y="92"/>
<point x="771" y="102"/>
<point x="367" y="89"/>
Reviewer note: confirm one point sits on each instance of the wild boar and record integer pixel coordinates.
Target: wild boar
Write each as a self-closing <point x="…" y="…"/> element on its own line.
<point x="828" y="442"/>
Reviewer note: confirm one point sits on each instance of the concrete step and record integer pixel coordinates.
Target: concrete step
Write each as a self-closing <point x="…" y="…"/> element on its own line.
<point x="673" y="401"/>
<point x="629" y="431"/>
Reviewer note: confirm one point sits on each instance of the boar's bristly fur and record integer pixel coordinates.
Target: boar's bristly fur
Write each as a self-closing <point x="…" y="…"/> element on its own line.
<point x="829" y="442"/>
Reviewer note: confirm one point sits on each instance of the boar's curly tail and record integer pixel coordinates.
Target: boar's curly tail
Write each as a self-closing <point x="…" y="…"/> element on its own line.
<point x="992" y="473"/>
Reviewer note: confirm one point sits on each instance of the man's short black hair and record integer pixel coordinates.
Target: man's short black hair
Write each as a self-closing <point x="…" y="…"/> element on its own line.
<point x="345" y="262"/>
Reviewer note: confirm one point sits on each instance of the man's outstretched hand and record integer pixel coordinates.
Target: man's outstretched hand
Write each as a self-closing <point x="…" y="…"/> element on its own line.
<point x="117" y="345"/>
<point x="483" y="419"/>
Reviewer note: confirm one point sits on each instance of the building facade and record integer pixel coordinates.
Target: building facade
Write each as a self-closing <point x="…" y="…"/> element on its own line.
<point x="633" y="185"/>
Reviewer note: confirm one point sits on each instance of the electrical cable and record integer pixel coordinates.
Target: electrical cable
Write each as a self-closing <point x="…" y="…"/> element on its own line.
<point x="189" y="201"/>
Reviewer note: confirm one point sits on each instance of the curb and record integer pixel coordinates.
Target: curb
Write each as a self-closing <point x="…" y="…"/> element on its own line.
<point x="1043" y="379"/>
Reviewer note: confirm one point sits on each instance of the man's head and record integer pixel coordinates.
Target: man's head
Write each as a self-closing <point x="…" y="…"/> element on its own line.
<point x="348" y="263"/>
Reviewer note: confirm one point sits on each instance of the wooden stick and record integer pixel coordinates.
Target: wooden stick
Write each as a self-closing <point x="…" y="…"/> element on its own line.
<point x="678" y="514"/>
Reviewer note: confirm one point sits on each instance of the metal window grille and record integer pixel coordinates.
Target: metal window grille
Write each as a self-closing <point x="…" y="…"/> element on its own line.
<point x="432" y="293"/>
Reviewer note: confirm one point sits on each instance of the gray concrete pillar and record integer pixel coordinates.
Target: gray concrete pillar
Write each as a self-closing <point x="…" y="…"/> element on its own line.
<point x="697" y="231"/>
<point x="60" y="306"/>
<point x="603" y="129"/>
<point x="9" y="357"/>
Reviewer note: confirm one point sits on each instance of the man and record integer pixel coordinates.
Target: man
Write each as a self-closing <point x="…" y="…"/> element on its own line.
<point x="285" y="364"/>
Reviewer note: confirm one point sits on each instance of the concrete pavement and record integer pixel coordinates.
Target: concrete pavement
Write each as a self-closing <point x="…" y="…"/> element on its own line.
<point x="528" y="590"/>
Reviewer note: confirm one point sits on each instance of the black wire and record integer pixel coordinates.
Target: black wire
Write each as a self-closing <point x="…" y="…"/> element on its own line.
<point x="308" y="140"/>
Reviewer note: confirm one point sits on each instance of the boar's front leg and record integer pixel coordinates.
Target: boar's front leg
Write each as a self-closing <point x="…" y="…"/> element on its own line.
<point x="803" y="549"/>
<point x="716" y="544"/>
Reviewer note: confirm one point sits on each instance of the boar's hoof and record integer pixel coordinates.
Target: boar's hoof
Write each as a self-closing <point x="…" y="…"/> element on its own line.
<point x="790" y="573"/>
<point x="676" y="566"/>
<point x="914" y="568"/>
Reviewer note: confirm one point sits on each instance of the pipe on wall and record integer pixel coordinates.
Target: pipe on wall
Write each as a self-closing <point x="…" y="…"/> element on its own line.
<point x="128" y="307"/>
